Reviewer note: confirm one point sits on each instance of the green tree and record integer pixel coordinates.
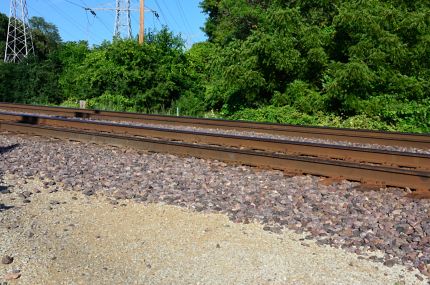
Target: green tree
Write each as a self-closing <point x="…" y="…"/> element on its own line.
<point x="3" y="31"/>
<point x="336" y="57"/>
<point x="46" y="37"/>
<point x="35" y="80"/>
<point x="149" y="77"/>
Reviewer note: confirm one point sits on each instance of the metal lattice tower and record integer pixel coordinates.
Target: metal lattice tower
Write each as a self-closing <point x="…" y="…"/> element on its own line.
<point x="122" y="19"/>
<point x="19" y="43"/>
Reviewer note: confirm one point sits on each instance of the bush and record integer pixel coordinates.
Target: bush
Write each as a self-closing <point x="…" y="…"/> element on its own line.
<point x="283" y="115"/>
<point x="412" y="119"/>
<point x="189" y="104"/>
<point x="301" y="96"/>
<point x="111" y="102"/>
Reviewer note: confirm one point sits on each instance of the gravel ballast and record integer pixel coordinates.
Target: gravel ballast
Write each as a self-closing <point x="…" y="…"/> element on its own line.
<point x="66" y="237"/>
<point x="341" y="215"/>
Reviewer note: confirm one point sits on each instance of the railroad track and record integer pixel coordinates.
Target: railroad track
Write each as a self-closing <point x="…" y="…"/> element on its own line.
<point x="347" y="153"/>
<point x="355" y="136"/>
<point x="291" y="157"/>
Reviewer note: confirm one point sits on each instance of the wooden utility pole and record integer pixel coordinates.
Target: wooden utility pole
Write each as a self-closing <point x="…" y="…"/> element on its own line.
<point x="142" y="22"/>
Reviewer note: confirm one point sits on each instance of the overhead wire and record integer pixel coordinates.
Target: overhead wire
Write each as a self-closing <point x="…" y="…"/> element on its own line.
<point x="155" y="19"/>
<point x="104" y="24"/>
<point x="68" y="18"/>
<point x="88" y="9"/>
<point x="184" y="19"/>
<point x="73" y="3"/>
<point x="134" y="20"/>
<point x="155" y="15"/>
<point x="161" y="12"/>
<point x="170" y="14"/>
<point x="83" y="5"/>
<point x="183" y="16"/>
<point x="101" y="21"/>
<point x="41" y="15"/>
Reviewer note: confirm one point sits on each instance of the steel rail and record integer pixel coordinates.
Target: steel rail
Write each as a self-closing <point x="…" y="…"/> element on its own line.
<point x="356" y="136"/>
<point x="292" y="164"/>
<point x="347" y="153"/>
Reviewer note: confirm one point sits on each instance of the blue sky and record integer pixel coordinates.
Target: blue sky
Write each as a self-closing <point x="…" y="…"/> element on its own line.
<point x="181" y="16"/>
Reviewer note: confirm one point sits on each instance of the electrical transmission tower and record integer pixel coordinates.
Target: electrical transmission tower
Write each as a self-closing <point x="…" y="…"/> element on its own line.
<point x="122" y="19"/>
<point x="19" y="43"/>
<point x="123" y="12"/>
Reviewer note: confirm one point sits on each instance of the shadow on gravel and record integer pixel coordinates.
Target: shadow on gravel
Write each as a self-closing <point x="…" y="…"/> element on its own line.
<point x="5" y="149"/>
<point x="3" y="188"/>
<point x="4" y="207"/>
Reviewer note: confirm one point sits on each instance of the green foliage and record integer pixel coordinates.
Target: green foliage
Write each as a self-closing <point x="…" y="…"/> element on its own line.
<point x="31" y="82"/>
<point x="363" y="62"/>
<point x="410" y="116"/>
<point x="112" y="102"/>
<point x="119" y="75"/>
<point x="414" y="119"/>
<point x="189" y="104"/>
<point x="282" y="115"/>
<point x="45" y="36"/>
<point x="3" y="31"/>
<point x="150" y="76"/>
<point x="11" y="88"/>
<point x="301" y="96"/>
<point x="71" y="55"/>
<point x="36" y="79"/>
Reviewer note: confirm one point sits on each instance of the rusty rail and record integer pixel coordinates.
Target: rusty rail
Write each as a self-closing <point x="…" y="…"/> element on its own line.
<point x="293" y="164"/>
<point x="347" y="153"/>
<point x="357" y="136"/>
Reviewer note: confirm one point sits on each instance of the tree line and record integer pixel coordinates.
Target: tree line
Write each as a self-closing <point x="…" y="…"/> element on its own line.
<point x="360" y="63"/>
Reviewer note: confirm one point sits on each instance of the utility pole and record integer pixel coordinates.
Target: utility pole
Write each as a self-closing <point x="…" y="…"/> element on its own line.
<point x="142" y="22"/>
<point x="19" y="43"/>
<point x="122" y="20"/>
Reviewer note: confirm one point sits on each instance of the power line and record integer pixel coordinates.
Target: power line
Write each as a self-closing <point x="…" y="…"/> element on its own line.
<point x="69" y="19"/>
<point x="86" y="13"/>
<point x="156" y="16"/>
<point x="103" y="23"/>
<point x="123" y="15"/>
<point x="41" y="15"/>
<point x="89" y="10"/>
<point x="73" y="3"/>
<point x="170" y="14"/>
<point x="161" y="12"/>
<point x="183" y="16"/>
<point x="123" y="9"/>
